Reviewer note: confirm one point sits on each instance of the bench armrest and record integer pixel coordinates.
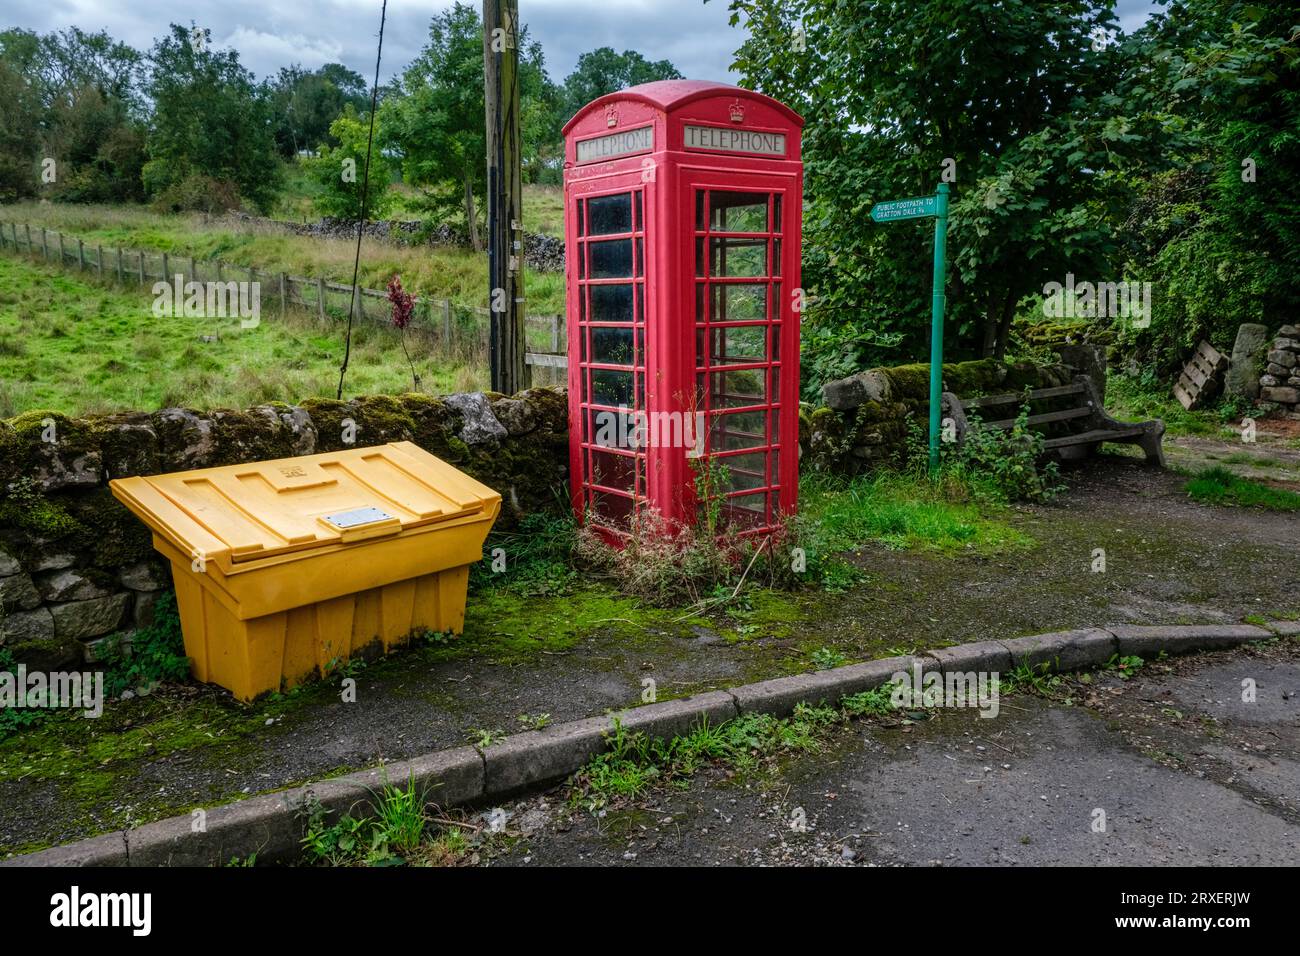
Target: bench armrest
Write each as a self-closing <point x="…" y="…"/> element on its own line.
<point x="950" y="407"/>
<point x="1100" y="419"/>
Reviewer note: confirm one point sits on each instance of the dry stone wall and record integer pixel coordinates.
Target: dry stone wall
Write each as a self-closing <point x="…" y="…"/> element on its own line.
<point x="1281" y="379"/>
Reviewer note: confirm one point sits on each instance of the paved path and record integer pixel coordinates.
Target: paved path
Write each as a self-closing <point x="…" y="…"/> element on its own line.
<point x="1185" y="772"/>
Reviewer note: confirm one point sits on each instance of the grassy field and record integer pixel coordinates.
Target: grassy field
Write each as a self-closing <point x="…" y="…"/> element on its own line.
<point x="435" y="272"/>
<point x="543" y="205"/>
<point x="71" y="345"/>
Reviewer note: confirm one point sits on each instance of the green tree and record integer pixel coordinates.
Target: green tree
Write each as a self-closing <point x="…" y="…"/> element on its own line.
<point x="341" y="170"/>
<point x="1218" y="236"/>
<point x="59" y="65"/>
<point x="541" y="105"/>
<point x="604" y="70"/>
<point x="1018" y="99"/>
<point x="211" y="140"/>
<point x="99" y="148"/>
<point x="20" y="122"/>
<point x="434" y="116"/>
<point x="306" y="103"/>
<point x="71" y="97"/>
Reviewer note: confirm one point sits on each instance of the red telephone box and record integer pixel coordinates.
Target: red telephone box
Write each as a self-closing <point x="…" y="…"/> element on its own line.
<point x="682" y="219"/>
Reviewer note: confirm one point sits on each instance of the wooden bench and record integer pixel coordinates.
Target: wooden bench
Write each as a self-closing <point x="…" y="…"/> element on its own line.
<point x="1074" y="427"/>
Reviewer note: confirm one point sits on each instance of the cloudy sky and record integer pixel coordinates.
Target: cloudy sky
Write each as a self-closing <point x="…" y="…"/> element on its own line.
<point x="272" y="33"/>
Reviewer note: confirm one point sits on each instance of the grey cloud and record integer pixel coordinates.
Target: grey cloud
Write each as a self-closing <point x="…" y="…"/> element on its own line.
<point x="270" y="34"/>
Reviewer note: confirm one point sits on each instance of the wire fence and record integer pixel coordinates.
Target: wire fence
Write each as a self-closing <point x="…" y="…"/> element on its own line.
<point x="454" y="332"/>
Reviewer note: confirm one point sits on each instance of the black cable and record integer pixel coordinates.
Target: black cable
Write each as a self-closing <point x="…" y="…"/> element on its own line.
<point x="365" y="188"/>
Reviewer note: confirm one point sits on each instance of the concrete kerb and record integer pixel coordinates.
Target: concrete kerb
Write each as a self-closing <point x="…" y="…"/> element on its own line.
<point x="1062" y="650"/>
<point x="535" y="758"/>
<point x="107" y="849"/>
<point x="779" y="696"/>
<point x="1146" y="641"/>
<point x="990" y="656"/>
<point x="271" y="825"/>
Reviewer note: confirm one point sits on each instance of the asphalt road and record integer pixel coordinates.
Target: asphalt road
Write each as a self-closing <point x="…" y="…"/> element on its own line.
<point x="1183" y="769"/>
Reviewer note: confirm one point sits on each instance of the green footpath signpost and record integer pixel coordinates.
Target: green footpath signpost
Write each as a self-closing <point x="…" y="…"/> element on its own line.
<point x="896" y="210"/>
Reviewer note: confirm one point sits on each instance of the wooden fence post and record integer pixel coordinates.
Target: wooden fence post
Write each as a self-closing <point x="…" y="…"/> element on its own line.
<point x="81" y="255"/>
<point x="27" y="229"/>
<point x="320" y="298"/>
<point x="194" y="270"/>
<point x="45" y="244"/>
<point x="446" y="324"/>
<point x="166" y="269"/>
<point x="284" y="302"/>
<point x="121" y="279"/>
<point x="141" y="267"/>
<point x="99" y="262"/>
<point x="220" y="278"/>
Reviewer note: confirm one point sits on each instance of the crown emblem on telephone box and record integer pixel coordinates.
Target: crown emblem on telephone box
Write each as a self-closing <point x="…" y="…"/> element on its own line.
<point x="611" y="115"/>
<point x="737" y="111"/>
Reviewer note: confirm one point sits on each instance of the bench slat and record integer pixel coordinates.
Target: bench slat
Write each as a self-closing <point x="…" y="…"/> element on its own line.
<point x="1064" y="415"/>
<point x="1096" y="435"/>
<point x="1033" y="396"/>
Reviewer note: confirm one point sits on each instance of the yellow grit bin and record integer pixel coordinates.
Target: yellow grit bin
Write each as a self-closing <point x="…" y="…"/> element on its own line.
<point x="282" y="567"/>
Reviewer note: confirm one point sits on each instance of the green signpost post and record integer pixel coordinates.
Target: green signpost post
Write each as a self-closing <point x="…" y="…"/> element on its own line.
<point x="896" y="210"/>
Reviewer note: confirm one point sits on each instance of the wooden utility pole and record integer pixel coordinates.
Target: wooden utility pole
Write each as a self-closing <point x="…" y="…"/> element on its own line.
<point x="507" y="343"/>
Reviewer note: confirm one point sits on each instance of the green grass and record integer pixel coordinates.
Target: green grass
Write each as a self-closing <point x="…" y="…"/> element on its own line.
<point x="1218" y="486"/>
<point x="431" y="271"/>
<point x="635" y="763"/>
<point x="543" y="205"/>
<point x="544" y="210"/>
<point x="902" y="511"/>
<point x="75" y="346"/>
<point x="1252" y="461"/>
<point x="1128" y="400"/>
<point x="394" y="832"/>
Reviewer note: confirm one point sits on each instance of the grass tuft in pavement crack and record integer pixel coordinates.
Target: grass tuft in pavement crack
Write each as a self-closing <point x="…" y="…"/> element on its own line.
<point x="635" y="763"/>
